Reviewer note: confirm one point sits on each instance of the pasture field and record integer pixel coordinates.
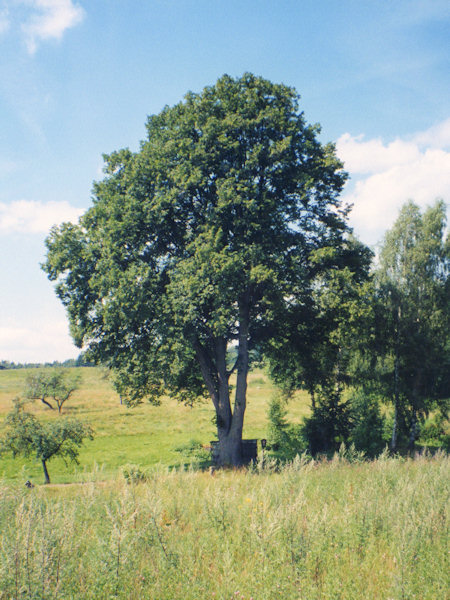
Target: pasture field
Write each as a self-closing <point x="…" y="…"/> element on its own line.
<point x="145" y="435"/>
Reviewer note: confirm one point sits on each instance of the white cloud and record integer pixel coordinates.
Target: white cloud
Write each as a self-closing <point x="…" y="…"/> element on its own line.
<point x="51" y="18"/>
<point x="386" y="175"/>
<point x="437" y="136"/>
<point x="29" y="216"/>
<point x="373" y="156"/>
<point x="46" y="341"/>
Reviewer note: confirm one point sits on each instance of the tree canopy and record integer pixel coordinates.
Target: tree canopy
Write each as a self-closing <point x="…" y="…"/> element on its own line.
<point x="25" y="435"/>
<point x="413" y="297"/>
<point x="202" y="239"/>
<point x="52" y="386"/>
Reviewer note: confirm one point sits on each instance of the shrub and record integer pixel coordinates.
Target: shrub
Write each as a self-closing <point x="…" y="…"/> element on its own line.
<point x="435" y="431"/>
<point x="134" y="474"/>
<point x="284" y="440"/>
<point x="367" y="424"/>
<point x="194" y="451"/>
<point x="329" y="425"/>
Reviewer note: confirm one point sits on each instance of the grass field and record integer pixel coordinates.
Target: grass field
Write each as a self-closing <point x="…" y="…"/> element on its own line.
<point x="313" y="530"/>
<point x="145" y="435"/>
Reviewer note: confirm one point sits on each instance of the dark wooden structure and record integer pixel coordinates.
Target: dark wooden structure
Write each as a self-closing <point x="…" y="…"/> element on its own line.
<point x="249" y="449"/>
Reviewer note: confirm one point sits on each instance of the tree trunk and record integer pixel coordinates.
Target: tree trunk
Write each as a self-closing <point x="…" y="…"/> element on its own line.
<point x="395" y="426"/>
<point x="415" y="401"/>
<point x="44" y="401"/>
<point x="229" y="426"/>
<point x="240" y="400"/>
<point x="44" y="466"/>
<point x="216" y="376"/>
<point x="227" y="452"/>
<point x="412" y="432"/>
<point x="396" y="383"/>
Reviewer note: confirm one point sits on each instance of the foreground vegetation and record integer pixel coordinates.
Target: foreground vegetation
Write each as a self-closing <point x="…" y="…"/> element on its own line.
<point x="315" y="530"/>
<point x="134" y="520"/>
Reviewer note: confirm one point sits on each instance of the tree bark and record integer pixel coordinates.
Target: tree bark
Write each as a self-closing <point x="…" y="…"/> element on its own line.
<point x="44" y="401"/>
<point x="230" y="443"/>
<point x="396" y="383"/>
<point x="44" y="466"/>
<point x="412" y="432"/>
<point x="216" y="376"/>
<point x="395" y="426"/>
<point x="228" y="451"/>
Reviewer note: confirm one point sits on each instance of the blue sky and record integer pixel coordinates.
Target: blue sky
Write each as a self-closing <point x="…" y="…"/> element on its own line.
<point x="78" y="79"/>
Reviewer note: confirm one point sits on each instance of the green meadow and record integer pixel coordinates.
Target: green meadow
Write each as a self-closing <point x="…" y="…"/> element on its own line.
<point x="145" y="435"/>
<point x="339" y="529"/>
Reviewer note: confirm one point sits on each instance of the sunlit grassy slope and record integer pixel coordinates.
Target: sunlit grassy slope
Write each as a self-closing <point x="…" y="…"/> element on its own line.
<point x="145" y="435"/>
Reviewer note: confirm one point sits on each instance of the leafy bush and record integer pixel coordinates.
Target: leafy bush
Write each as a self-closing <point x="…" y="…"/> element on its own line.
<point x="435" y="431"/>
<point x="330" y="424"/>
<point x="278" y="429"/>
<point x="284" y="440"/>
<point x="134" y="474"/>
<point x="445" y="442"/>
<point x="367" y="424"/>
<point x="194" y="451"/>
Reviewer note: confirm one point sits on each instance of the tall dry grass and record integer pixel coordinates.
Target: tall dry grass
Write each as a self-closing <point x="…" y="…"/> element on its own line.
<point x="311" y="531"/>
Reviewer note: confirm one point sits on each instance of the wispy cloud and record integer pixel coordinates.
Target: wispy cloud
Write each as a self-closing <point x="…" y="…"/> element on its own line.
<point x="437" y="136"/>
<point x="385" y="175"/>
<point x="29" y="216"/>
<point x="49" y="20"/>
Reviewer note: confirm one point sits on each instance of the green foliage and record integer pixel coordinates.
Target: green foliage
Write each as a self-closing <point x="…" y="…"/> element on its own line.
<point x="53" y="387"/>
<point x="316" y="342"/>
<point x="26" y="435"/>
<point x="436" y="430"/>
<point x="367" y="423"/>
<point x="134" y="474"/>
<point x="277" y="431"/>
<point x="321" y="341"/>
<point x="445" y="442"/>
<point x="334" y="424"/>
<point x="284" y="440"/>
<point x="330" y="423"/>
<point x="202" y="239"/>
<point x="413" y="317"/>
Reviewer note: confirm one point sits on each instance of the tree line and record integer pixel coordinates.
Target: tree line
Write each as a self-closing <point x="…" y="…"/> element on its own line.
<point x="80" y="361"/>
